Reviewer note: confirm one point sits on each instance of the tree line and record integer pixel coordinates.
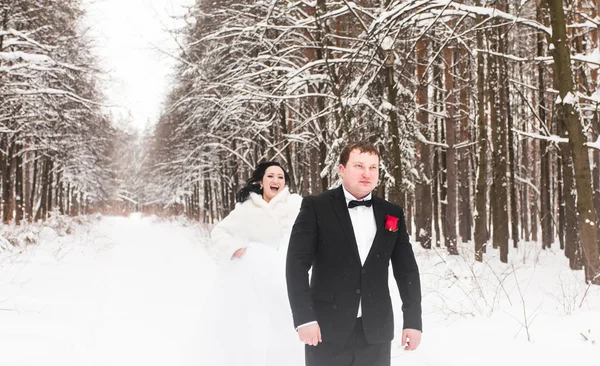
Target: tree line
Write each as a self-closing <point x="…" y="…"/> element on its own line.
<point x="486" y="114"/>
<point x="56" y="142"/>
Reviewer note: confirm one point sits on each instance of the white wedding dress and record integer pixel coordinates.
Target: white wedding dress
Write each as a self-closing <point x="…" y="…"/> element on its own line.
<point x="247" y="319"/>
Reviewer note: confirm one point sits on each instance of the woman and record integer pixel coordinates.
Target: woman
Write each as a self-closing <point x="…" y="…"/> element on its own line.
<point x="250" y="320"/>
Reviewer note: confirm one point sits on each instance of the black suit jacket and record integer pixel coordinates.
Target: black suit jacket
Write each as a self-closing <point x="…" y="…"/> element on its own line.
<point x="323" y="239"/>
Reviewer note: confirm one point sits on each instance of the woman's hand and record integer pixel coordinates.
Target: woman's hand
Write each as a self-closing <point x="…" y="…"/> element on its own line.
<point x="239" y="253"/>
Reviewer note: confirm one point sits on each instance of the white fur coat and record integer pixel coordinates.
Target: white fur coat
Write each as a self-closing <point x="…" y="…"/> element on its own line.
<point x="255" y="220"/>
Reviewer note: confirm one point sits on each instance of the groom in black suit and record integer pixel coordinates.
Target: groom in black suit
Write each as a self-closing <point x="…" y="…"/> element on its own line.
<point x="348" y="237"/>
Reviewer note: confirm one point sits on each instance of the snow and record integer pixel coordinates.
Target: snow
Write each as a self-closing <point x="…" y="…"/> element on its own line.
<point x="448" y="6"/>
<point x="387" y="106"/>
<point x="127" y="291"/>
<point x="24" y="56"/>
<point x="387" y="43"/>
<point x="124" y="291"/>
<point x="592" y="59"/>
<point x="595" y="97"/>
<point x="570" y="98"/>
<point x="595" y="144"/>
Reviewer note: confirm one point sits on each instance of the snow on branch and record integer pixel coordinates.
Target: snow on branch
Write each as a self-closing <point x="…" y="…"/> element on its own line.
<point x="51" y="91"/>
<point x="424" y="140"/>
<point x="332" y="14"/>
<point x="528" y="183"/>
<point x="451" y="8"/>
<point x="316" y="63"/>
<point x="594" y="145"/>
<point x="18" y="56"/>
<point x="551" y="138"/>
<point x="23" y="36"/>
<point x="495" y="13"/>
<point x="592" y="59"/>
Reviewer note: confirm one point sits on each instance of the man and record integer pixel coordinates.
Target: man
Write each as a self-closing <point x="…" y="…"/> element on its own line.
<point x="348" y="237"/>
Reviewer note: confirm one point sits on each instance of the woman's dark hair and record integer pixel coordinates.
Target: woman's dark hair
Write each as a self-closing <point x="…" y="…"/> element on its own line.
<point x="253" y="184"/>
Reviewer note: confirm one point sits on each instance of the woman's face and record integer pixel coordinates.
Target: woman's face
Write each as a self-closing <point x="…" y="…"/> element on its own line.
<point x="273" y="182"/>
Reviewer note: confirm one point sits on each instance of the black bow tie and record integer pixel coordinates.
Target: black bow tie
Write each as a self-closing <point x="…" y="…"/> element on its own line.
<point x="354" y="203"/>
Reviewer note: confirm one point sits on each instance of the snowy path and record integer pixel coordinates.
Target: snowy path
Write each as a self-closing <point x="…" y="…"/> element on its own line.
<point x="125" y="293"/>
<point x="128" y="291"/>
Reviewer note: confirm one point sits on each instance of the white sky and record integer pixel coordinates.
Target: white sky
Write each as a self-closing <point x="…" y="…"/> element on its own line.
<point x="127" y="34"/>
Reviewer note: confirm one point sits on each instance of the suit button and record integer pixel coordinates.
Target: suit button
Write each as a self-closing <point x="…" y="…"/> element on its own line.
<point x="358" y="291"/>
<point x="362" y="270"/>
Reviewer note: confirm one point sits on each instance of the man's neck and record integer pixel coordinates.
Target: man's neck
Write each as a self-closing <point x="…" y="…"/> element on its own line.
<point x="353" y="196"/>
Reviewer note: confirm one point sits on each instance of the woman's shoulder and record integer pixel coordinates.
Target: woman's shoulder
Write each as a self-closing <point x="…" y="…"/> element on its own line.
<point x="295" y="198"/>
<point x="240" y="209"/>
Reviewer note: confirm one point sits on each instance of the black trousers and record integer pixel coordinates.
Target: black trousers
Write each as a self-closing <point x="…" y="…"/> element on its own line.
<point x="355" y="352"/>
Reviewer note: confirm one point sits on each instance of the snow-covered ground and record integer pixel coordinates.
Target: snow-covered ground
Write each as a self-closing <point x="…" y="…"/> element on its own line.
<point x="127" y="291"/>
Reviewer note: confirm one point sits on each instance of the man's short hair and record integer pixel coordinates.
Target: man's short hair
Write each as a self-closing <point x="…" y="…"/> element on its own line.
<point x="361" y="146"/>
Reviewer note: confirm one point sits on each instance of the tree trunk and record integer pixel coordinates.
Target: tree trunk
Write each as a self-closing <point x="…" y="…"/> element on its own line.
<point x="315" y="185"/>
<point x="43" y="209"/>
<point x="596" y="166"/>
<point x="439" y="156"/>
<point x="392" y="94"/>
<point x="526" y="208"/>
<point x="33" y="187"/>
<point x="465" y="217"/>
<point x="545" y="185"/>
<point x="480" y="230"/>
<point x="569" y="115"/>
<point x="61" y="202"/>
<point x="288" y="148"/>
<point x="443" y="181"/>
<point x="50" y="183"/>
<point x="514" y="212"/>
<point x="27" y="185"/>
<point x="188" y="207"/>
<point x="436" y="189"/>
<point x="595" y="44"/>
<point x="423" y="186"/>
<point x="76" y="209"/>
<point x="499" y="181"/>
<point x="19" y="183"/>
<point x="3" y="157"/>
<point x="197" y="203"/>
<point x="534" y="178"/>
<point x="571" y="235"/>
<point x="451" y="191"/>
<point x="210" y="212"/>
<point x="321" y="54"/>
<point x="68" y="204"/>
<point x="8" y="182"/>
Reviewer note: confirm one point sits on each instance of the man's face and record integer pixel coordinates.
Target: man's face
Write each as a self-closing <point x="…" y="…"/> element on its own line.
<point x="361" y="173"/>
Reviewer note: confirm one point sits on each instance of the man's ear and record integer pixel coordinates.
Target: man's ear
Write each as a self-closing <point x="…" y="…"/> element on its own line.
<point x="341" y="169"/>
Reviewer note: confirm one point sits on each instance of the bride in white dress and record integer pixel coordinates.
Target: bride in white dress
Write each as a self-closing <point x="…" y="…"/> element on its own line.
<point x="247" y="319"/>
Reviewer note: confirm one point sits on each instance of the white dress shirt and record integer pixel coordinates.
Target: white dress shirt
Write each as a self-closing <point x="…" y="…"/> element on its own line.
<point x="364" y="227"/>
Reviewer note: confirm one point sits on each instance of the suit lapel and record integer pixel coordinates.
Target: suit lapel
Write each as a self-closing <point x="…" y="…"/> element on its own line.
<point x="379" y="216"/>
<point x="379" y="222"/>
<point x="341" y="210"/>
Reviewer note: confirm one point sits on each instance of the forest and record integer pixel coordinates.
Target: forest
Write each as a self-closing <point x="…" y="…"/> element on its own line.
<point x="486" y="114"/>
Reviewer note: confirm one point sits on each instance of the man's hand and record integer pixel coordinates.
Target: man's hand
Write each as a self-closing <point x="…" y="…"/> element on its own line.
<point x="310" y="334"/>
<point x="239" y="253"/>
<point x="411" y="338"/>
